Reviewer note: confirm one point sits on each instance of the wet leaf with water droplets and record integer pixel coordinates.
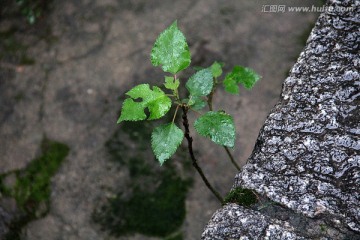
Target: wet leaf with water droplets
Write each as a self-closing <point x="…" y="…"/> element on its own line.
<point x="218" y="126"/>
<point x="216" y="69"/>
<point x="240" y="75"/>
<point x="201" y="83"/>
<point x="196" y="103"/>
<point x="171" y="50"/>
<point x="171" y="83"/>
<point x="165" y="140"/>
<point x="155" y="100"/>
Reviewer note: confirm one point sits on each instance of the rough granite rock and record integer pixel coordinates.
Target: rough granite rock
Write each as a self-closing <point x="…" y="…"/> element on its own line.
<point x="236" y="222"/>
<point x="307" y="155"/>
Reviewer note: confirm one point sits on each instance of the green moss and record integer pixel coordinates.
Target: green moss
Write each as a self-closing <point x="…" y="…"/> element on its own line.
<point x="138" y="167"/>
<point x="26" y="60"/>
<point x="33" y="183"/>
<point x="12" y="50"/>
<point x="323" y="227"/>
<point x="118" y="145"/>
<point x="155" y="213"/>
<point x="13" y="46"/>
<point x="32" y="187"/>
<point x="33" y="9"/>
<point x="153" y="203"/>
<point x="139" y="132"/>
<point x="241" y="196"/>
<point x="20" y="96"/>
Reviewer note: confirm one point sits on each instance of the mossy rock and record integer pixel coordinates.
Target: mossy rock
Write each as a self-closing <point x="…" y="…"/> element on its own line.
<point x="31" y="187"/>
<point x="153" y="203"/>
<point x="241" y="196"/>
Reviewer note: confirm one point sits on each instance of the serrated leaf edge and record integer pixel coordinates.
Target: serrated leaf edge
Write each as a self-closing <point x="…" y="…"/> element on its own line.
<point x="147" y="117"/>
<point x="193" y="76"/>
<point x="208" y="135"/>
<point x="177" y="146"/>
<point x="181" y="67"/>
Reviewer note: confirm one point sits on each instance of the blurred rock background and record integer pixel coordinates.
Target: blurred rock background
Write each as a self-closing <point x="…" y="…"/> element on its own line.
<point x="62" y="80"/>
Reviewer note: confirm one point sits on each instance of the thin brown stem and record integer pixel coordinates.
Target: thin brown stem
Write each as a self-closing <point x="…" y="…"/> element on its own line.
<point x="177" y="108"/>
<point x="176" y="92"/>
<point x="210" y="100"/>
<point x="210" y="104"/>
<point x="232" y="158"/>
<point x="191" y="152"/>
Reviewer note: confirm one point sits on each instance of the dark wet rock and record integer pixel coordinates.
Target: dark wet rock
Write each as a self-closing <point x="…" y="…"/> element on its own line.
<point x="307" y="154"/>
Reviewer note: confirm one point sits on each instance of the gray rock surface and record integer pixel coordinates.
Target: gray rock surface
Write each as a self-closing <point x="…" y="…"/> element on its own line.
<point x="236" y="222"/>
<point x="5" y="220"/>
<point x="307" y="157"/>
<point x="9" y="213"/>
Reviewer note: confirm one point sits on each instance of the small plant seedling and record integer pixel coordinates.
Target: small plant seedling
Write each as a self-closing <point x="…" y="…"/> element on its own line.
<point x="171" y="53"/>
<point x="32" y="9"/>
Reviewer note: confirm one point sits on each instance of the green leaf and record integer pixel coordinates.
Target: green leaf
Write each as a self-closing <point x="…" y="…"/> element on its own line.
<point x="246" y="76"/>
<point x="230" y="84"/>
<point x="155" y="100"/>
<point x="218" y="126"/>
<point x="243" y="75"/>
<point x="196" y="103"/>
<point x="216" y="69"/>
<point x="201" y="83"/>
<point x="165" y="140"/>
<point x="171" y="83"/>
<point x="171" y="50"/>
<point x="132" y="111"/>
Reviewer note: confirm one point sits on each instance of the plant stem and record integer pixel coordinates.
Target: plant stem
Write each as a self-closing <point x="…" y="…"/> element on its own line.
<point x="191" y="152"/>
<point x="231" y="158"/>
<point x="210" y="100"/>
<point x="176" y="92"/>
<point x="177" y="108"/>
<point x="210" y="104"/>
